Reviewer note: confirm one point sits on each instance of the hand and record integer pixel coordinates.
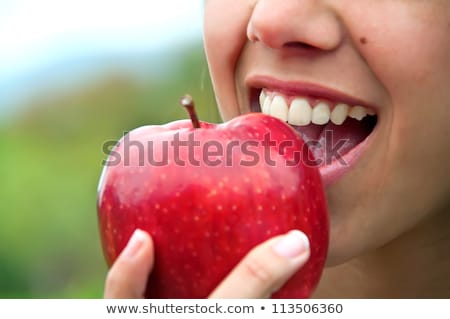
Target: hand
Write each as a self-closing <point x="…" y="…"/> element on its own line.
<point x="264" y="270"/>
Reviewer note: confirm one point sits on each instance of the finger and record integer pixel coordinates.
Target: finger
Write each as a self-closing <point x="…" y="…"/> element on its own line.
<point x="266" y="267"/>
<point x="127" y="278"/>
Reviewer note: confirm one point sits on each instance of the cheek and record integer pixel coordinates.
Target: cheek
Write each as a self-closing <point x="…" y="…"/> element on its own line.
<point x="409" y="53"/>
<point x="413" y="63"/>
<point x="410" y="50"/>
<point x="225" y="27"/>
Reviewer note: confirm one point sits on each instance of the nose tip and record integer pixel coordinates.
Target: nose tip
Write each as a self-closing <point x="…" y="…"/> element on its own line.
<point x="305" y="24"/>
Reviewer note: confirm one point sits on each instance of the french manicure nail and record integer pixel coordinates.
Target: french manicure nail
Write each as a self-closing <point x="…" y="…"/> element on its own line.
<point x="292" y="244"/>
<point x="134" y="244"/>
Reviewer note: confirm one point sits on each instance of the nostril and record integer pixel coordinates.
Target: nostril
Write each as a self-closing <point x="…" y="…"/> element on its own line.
<point x="299" y="45"/>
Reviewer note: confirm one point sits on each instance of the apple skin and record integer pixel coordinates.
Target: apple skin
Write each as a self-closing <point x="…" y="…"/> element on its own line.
<point x="204" y="219"/>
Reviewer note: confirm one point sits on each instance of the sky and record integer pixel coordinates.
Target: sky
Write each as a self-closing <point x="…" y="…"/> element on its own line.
<point x="36" y="33"/>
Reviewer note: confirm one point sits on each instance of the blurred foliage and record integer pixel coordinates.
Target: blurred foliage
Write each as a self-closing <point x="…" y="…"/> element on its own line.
<point x="50" y="159"/>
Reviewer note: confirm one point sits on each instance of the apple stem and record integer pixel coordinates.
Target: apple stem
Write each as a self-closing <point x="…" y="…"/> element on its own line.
<point x="188" y="103"/>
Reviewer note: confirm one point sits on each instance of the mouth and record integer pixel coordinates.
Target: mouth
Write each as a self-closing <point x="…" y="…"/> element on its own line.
<point x="336" y="127"/>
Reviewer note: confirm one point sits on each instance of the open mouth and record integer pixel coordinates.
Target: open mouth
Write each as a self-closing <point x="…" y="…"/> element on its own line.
<point x="333" y="130"/>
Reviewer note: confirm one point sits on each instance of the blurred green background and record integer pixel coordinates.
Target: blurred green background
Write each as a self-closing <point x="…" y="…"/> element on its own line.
<point x="53" y="120"/>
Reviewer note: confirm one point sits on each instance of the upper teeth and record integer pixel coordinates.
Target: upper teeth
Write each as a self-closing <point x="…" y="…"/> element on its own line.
<point x="301" y="113"/>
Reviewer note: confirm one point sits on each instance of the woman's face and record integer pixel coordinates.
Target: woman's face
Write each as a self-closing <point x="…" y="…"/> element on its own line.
<point x="390" y="56"/>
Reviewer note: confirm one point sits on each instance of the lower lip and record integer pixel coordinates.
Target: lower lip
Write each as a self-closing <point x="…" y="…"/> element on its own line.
<point x="332" y="172"/>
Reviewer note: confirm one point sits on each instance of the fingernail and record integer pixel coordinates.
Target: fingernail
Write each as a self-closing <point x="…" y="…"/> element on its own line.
<point x="134" y="244"/>
<point x="292" y="244"/>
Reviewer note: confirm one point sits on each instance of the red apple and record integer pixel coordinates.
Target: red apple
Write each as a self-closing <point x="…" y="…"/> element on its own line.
<point x="205" y="215"/>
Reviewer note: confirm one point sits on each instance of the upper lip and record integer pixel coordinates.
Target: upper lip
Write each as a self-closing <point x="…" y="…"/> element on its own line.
<point x="307" y="89"/>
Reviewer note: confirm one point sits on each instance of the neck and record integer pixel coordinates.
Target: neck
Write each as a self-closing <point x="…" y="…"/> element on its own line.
<point x="415" y="265"/>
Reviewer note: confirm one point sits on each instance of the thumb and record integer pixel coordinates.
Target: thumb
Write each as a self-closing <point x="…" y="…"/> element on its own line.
<point x="266" y="267"/>
<point x="127" y="278"/>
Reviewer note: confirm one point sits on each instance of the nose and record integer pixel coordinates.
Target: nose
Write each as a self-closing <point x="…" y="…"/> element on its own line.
<point x="304" y="24"/>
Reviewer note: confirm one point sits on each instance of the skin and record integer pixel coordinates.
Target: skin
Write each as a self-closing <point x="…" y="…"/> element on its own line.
<point x="390" y="224"/>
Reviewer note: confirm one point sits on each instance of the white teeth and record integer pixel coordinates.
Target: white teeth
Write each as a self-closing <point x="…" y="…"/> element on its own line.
<point x="279" y="108"/>
<point x="339" y="114"/>
<point x="262" y="98"/>
<point x="357" y="112"/>
<point x="266" y="105"/>
<point x="321" y="114"/>
<point x="300" y="112"/>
